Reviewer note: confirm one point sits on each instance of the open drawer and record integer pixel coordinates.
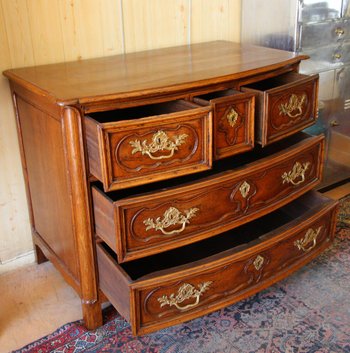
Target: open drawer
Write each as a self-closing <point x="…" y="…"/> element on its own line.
<point x="179" y="285"/>
<point x="163" y="216"/>
<point x="138" y="145"/>
<point x="233" y="121"/>
<point x="284" y="105"/>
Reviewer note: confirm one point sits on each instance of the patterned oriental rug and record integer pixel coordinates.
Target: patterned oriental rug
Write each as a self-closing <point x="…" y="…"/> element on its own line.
<point x="308" y="312"/>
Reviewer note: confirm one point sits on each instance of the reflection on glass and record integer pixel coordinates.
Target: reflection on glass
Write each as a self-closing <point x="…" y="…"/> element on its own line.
<point x="315" y="10"/>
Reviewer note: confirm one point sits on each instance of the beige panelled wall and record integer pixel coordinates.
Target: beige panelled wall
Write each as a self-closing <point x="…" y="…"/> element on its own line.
<point x="34" y="32"/>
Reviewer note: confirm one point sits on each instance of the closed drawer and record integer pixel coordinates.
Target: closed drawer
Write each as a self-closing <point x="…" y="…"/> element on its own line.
<point x="233" y="121"/>
<point x="182" y="284"/>
<point x="134" y="146"/>
<point x="331" y="57"/>
<point x="137" y="226"/>
<point x="322" y="34"/>
<point x="284" y="105"/>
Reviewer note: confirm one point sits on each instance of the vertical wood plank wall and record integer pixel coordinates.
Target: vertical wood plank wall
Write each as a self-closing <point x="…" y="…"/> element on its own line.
<point x="34" y="32"/>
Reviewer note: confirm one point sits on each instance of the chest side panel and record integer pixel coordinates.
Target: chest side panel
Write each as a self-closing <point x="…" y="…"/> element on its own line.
<point x="47" y="178"/>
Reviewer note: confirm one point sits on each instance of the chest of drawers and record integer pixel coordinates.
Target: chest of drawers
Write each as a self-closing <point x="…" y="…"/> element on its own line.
<point x="172" y="182"/>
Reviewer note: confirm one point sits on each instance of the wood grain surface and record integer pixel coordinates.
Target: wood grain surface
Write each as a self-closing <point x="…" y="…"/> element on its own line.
<point x="151" y="72"/>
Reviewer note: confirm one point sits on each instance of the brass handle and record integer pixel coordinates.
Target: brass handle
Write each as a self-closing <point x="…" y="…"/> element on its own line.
<point x="185" y="292"/>
<point x="309" y="241"/>
<point x="337" y="56"/>
<point x="160" y="142"/>
<point x="171" y="217"/>
<point x="298" y="171"/>
<point x="244" y="189"/>
<point x="258" y="262"/>
<point x="232" y="117"/>
<point x="339" y="31"/>
<point x="334" y="123"/>
<point x="295" y="104"/>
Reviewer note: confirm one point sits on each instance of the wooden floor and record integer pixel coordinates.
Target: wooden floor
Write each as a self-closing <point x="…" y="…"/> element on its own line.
<point x="35" y="300"/>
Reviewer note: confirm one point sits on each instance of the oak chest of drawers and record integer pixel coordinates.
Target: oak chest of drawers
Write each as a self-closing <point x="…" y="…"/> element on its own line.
<point x="172" y="182"/>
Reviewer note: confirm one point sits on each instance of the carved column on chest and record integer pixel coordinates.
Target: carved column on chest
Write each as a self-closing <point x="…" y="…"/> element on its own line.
<point x="72" y="128"/>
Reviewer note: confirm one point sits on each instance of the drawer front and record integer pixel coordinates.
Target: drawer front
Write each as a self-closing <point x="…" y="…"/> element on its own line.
<point x="233" y="121"/>
<point x="217" y="284"/>
<point x="135" y="152"/>
<point x="286" y="109"/>
<point x="153" y="223"/>
<point x="213" y="287"/>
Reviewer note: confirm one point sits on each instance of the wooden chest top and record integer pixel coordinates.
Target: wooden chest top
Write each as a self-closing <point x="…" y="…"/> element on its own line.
<point x="154" y="72"/>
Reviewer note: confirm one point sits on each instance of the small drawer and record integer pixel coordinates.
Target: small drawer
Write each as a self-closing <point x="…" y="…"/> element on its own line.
<point x="138" y="145"/>
<point x="173" y="287"/>
<point x="233" y="121"/>
<point x="324" y="33"/>
<point x="284" y="105"/>
<point x="167" y="218"/>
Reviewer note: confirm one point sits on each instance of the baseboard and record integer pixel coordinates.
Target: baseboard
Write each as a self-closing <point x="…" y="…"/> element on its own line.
<point x="19" y="261"/>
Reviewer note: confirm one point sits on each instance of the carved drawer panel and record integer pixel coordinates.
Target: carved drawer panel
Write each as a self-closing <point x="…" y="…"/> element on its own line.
<point x="134" y="146"/>
<point x="189" y="282"/>
<point x="233" y="121"/>
<point x="284" y="105"/>
<point x="149" y="223"/>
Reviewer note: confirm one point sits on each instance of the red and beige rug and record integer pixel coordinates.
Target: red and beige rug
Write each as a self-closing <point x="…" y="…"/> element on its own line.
<point x="307" y="313"/>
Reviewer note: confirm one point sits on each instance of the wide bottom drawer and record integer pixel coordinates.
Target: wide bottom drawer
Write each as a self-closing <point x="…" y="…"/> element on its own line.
<point x="179" y="285"/>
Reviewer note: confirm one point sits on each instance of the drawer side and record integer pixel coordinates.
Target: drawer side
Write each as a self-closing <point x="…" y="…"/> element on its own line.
<point x="105" y="223"/>
<point x="92" y="143"/>
<point x="113" y="282"/>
